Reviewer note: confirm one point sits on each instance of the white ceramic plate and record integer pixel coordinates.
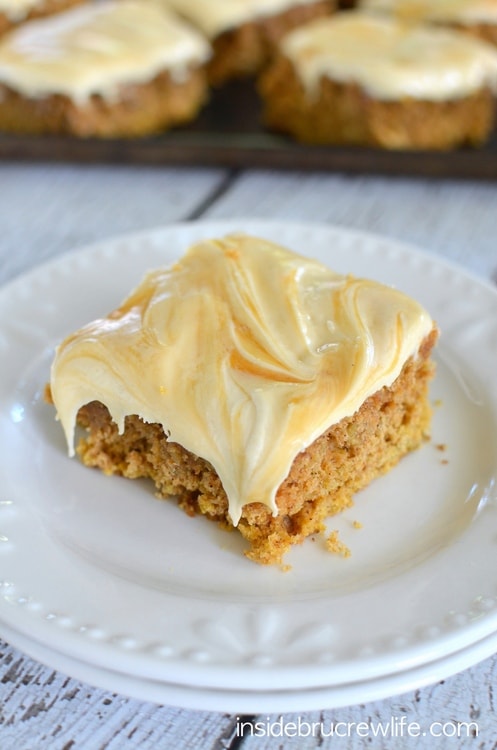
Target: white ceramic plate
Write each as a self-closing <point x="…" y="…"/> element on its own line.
<point x="260" y="701"/>
<point x="98" y="571"/>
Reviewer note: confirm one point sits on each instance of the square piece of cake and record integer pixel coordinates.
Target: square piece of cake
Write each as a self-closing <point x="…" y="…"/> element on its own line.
<point x="254" y="385"/>
<point x="369" y="79"/>
<point x="118" y="68"/>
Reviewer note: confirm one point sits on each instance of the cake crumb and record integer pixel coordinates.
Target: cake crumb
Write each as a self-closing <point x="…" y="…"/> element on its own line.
<point x="357" y="524"/>
<point x="336" y="546"/>
<point x="441" y="447"/>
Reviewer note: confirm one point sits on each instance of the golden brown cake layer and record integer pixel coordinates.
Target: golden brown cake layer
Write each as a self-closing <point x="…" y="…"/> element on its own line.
<point x="140" y="109"/>
<point x="344" y="113"/>
<point x="322" y="479"/>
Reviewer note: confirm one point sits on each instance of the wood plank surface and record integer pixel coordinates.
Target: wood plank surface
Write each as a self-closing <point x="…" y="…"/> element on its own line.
<point x="455" y="220"/>
<point x="46" y="710"/>
<point x="46" y="210"/>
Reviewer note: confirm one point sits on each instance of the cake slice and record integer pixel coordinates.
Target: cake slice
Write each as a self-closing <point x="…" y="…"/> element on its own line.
<point x="369" y="79"/>
<point x="118" y="68"/>
<point x="256" y="386"/>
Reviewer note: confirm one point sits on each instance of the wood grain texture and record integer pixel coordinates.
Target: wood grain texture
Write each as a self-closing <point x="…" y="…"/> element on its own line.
<point x="457" y="221"/>
<point x="47" y="210"/>
<point x="46" y="710"/>
<point x="463" y="704"/>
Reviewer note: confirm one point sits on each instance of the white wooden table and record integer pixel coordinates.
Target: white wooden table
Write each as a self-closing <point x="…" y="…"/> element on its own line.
<point x="48" y="210"/>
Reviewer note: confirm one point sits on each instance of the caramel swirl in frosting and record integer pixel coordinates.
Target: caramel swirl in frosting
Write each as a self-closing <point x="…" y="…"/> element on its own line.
<point x="245" y="353"/>
<point x="389" y="59"/>
<point x="95" y="48"/>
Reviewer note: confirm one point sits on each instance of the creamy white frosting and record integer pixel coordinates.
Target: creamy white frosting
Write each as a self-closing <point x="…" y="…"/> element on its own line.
<point x="389" y="59"/>
<point x="96" y="47"/>
<point x="452" y="11"/>
<point x="245" y="353"/>
<point x="215" y="16"/>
